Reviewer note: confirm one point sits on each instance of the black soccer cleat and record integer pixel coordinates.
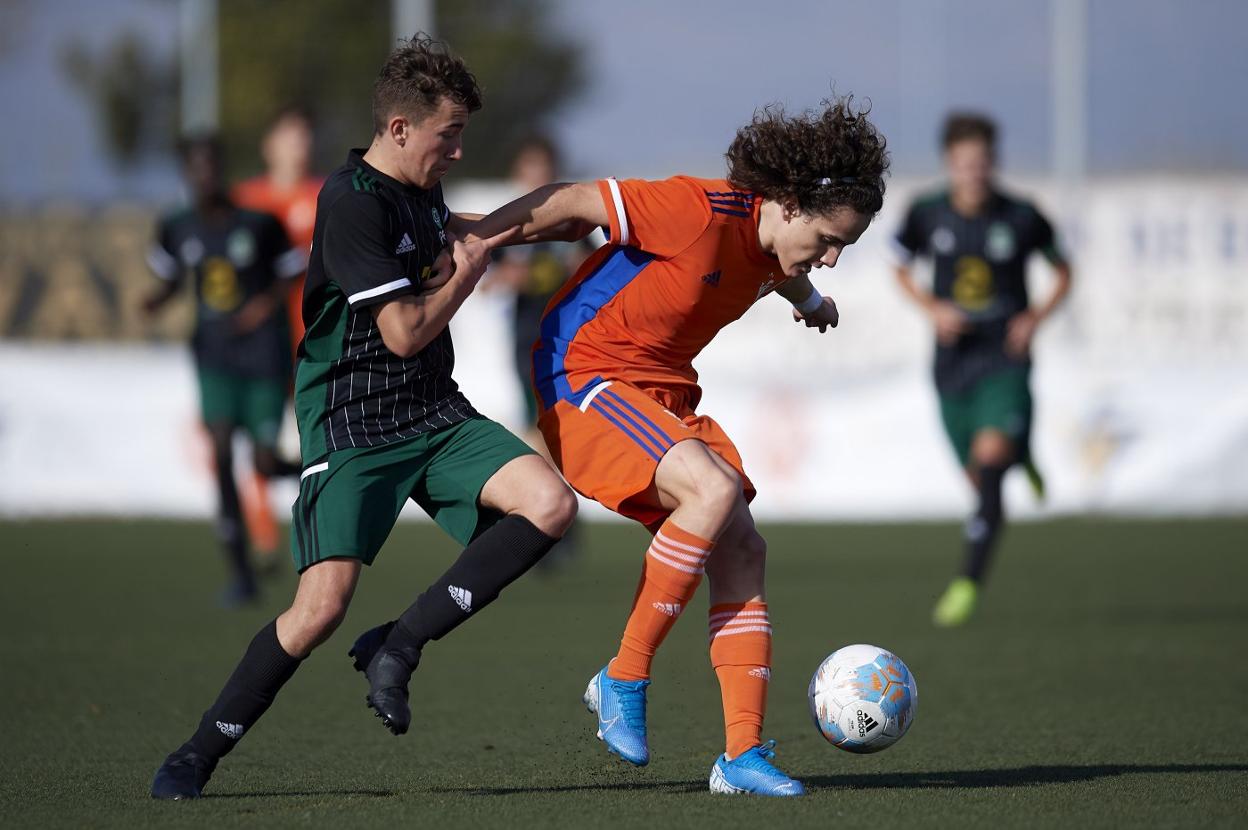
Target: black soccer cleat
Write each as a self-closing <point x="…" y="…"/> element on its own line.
<point x="388" y="671"/>
<point x="182" y="776"/>
<point x="367" y="644"/>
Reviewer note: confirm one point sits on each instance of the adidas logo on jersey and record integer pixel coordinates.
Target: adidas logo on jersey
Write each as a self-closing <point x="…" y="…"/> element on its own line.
<point x="711" y="279"/>
<point x="672" y="609"/>
<point x="233" y="731"/>
<point x="762" y="672"/>
<point x="406" y="245"/>
<point x="462" y="597"/>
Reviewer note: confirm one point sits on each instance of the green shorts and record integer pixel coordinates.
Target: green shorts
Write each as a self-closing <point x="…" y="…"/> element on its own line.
<point x="1000" y="401"/>
<point x="256" y="404"/>
<point x="349" y="501"/>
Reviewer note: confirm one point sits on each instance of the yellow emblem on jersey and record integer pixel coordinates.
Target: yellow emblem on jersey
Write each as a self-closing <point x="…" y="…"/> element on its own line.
<point x="219" y="288"/>
<point x="972" y="283"/>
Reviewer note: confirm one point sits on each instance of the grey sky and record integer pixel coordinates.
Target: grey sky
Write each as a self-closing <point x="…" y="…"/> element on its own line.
<point x="672" y="80"/>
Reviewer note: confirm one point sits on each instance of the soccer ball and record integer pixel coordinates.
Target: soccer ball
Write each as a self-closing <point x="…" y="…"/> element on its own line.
<point x="862" y="698"/>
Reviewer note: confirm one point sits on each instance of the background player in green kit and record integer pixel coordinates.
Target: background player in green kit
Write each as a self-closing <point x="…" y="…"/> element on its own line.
<point x="979" y="239"/>
<point x="381" y="420"/>
<point x="242" y="263"/>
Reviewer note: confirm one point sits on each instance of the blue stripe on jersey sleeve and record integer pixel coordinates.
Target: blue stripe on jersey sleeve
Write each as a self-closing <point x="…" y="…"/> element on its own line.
<point x="578" y="307"/>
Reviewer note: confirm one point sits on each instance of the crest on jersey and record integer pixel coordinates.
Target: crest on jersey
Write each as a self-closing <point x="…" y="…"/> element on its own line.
<point x="943" y="241"/>
<point x="191" y="252"/>
<point x="437" y="223"/>
<point x="999" y="242"/>
<point x="241" y="248"/>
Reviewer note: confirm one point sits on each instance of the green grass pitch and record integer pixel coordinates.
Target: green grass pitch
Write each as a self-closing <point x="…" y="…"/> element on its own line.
<point x="1103" y="684"/>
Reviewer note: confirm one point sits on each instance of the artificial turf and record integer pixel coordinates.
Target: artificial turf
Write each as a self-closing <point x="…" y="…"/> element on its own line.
<point x="1102" y="685"/>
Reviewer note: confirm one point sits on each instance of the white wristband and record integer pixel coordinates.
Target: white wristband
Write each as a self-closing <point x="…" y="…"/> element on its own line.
<point x="810" y="303"/>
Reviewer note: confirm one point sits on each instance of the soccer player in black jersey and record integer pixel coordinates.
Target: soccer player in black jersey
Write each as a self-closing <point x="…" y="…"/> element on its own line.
<point x="381" y="420"/>
<point x="242" y="264"/>
<point x="979" y="239"/>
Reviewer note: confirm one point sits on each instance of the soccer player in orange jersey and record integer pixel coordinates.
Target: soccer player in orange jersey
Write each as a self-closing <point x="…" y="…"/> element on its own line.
<point x="288" y="191"/>
<point x="613" y="370"/>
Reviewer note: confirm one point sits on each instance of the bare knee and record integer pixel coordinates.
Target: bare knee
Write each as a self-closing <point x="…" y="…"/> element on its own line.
<point x="310" y="622"/>
<point x="551" y="506"/>
<point x="992" y="448"/>
<point x="715" y="492"/>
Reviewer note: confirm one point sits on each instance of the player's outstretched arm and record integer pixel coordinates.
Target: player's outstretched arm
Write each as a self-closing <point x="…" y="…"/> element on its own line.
<point x="555" y="212"/>
<point x="409" y="322"/>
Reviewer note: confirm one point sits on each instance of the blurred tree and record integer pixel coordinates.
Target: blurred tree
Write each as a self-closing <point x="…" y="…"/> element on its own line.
<point x="526" y="68"/>
<point x="321" y="54"/>
<point x="324" y="55"/>
<point x="133" y="91"/>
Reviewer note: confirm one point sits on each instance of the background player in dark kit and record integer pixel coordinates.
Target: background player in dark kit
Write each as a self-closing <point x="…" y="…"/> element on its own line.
<point x="979" y="239"/>
<point x="534" y="273"/>
<point x="381" y="420"/>
<point x="242" y="262"/>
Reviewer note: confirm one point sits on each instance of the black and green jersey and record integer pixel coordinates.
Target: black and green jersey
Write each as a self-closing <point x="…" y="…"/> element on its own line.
<point x="980" y="264"/>
<point x="375" y="240"/>
<point x="234" y="255"/>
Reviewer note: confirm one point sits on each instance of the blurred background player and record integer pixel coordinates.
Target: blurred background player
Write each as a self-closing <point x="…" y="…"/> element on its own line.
<point x="535" y="273"/>
<point x="242" y="262"/>
<point x="287" y="189"/>
<point x="979" y="239"/>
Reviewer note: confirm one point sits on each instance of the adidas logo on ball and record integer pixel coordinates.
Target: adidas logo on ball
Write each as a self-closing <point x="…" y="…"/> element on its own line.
<point x="865" y="723"/>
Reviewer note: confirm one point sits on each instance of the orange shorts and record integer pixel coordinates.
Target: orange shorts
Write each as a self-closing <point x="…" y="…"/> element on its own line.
<point x="608" y="439"/>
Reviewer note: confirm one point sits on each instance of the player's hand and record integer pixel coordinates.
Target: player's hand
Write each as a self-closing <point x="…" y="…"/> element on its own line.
<point x="950" y="321"/>
<point x="472" y="256"/>
<point x="440" y="273"/>
<point x="1019" y="333"/>
<point x="822" y="317"/>
<point x="254" y="313"/>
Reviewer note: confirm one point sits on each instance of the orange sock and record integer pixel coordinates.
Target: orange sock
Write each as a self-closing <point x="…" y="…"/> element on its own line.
<point x="262" y="526"/>
<point x="674" y="566"/>
<point x="741" y="657"/>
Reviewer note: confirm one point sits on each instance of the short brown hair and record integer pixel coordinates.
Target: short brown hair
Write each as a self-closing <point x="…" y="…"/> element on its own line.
<point x="968" y="126"/>
<point x="416" y="77"/>
<point x="822" y="159"/>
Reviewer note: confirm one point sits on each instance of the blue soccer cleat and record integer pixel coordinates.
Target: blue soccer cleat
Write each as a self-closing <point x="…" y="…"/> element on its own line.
<point x="752" y="772"/>
<point x="621" y="709"/>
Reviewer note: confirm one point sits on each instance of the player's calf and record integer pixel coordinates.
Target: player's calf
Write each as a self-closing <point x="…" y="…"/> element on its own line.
<point x="490" y="563"/>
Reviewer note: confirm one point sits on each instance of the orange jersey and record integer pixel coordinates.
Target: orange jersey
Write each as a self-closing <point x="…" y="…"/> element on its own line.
<point x="295" y="208"/>
<point x="683" y="261"/>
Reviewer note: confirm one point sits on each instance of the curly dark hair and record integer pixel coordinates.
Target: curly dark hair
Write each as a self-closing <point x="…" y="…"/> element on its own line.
<point x="416" y="77"/>
<point x="823" y="159"/>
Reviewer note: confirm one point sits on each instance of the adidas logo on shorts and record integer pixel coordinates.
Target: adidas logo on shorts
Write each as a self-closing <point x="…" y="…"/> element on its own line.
<point x="761" y="672"/>
<point x="672" y="609"/>
<point x="233" y="731"/>
<point x="462" y="597"/>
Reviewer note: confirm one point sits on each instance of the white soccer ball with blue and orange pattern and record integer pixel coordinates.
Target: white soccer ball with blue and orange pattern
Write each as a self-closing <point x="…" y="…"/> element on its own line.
<point x="863" y="698"/>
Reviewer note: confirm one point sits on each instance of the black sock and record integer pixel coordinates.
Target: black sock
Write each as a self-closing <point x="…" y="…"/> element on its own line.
<point x="230" y="528"/>
<point x="248" y="693"/>
<point x="985" y="525"/>
<point x="489" y="564"/>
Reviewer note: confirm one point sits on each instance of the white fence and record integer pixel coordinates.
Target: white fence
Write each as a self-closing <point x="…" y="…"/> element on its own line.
<point x="1141" y="384"/>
